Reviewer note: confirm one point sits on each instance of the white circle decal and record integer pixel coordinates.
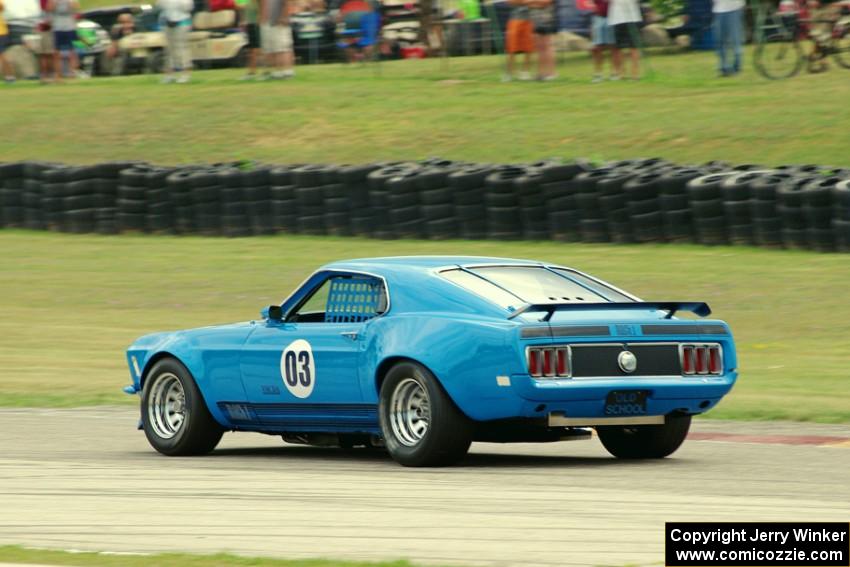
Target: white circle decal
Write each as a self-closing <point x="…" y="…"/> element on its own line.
<point x="298" y="369"/>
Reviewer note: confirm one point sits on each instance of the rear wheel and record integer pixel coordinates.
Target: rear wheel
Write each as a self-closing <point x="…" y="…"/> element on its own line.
<point x="841" y="42"/>
<point x="421" y="425"/>
<point x="779" y="56"/>
<point x="175" y="418"/>
<point x="645" y="441"/>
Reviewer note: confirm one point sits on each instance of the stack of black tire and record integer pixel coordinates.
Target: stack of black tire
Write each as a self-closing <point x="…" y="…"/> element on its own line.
<point x="179" y="186"/>
<point x="310" y="198"/>
<point x="593" y="222"/>
<point x="559" y="198"/>
<point x="206" y="191"/>
<point x="12" y="213"/>
<point x="468" y="185"/>
<point x="53" y="197"/>
<point x="337" y="204"/>
<point x="438" y="205"/>
<point x="256" y="189"/>
<point x="534" y="221"/>
<point x="644" y="206"/>
<point x="764" y="209"/>
<point x="132" y="201"/>
<point x="354" y="180"/>
<point x="404" y="205"/>
<point x="737" y="206"/>
<point x="379" y="196"/>
<point x="282" y="195"/>
<point x="641" y="200"/>
<point x="705" y="196"/>
<point x="818" y="210"/>
<point x="675" y="206"/>
<point x="790" y="208"/>
<point x="81" y="199"/>
<point x="235" y="220"/>
<point x="841" y="215"/>
<point x="504" y="221"/>
<point x="34" y="215"/>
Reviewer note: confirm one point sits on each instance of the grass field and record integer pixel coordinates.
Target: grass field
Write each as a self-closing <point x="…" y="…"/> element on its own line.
<point x="17" y="554"/>
<point x="71" y="304"/>
<point x="412" y="109"/>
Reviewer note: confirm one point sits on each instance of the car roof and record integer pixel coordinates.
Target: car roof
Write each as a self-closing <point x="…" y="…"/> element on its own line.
<point x="424" y="263"/>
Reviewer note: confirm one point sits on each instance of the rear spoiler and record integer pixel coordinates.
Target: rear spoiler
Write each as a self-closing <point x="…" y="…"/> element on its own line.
<point x="695" y="307"/>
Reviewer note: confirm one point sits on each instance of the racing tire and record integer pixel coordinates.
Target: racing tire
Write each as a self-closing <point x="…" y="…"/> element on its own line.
<point x="170" y="389"/>
<point x="645" y="441"/>
<point x="421" y="425"/>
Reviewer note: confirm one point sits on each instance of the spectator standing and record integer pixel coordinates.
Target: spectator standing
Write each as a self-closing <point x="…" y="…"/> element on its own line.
<point x="519" y="39"/>
<point x="8" y="74"/>
<point x="728" y="34"/>
<point x="543" y="18"/>
<point x="276" y="38"/>
<point x="176" y="16"/>
<point x="251" y="26"/>
<point x="624" y="16"/>
<point x="45" y="40"/>
<point x="602" y="37"/>
<point x="64" y="20"/>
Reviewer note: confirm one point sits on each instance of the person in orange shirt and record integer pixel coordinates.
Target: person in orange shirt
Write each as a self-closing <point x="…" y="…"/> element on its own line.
<point x="519" y="39"/>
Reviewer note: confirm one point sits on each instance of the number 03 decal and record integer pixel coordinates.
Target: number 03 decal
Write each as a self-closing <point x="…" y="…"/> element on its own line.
<point x="298" y="369"/>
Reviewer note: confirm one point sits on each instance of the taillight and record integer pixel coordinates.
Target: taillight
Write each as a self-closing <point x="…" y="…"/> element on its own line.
<point x="714" y="366"/>
<point x="563" y="368"/>
<point x="534" y="362"/>
<point x="701" y="359"/>
<point x="687" y="359"/>
<point x="549" y="362"/>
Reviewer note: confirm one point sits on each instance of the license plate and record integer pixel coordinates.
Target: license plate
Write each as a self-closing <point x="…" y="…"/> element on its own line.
<point x="626" y="402"/>
<point x="138" y="53"/>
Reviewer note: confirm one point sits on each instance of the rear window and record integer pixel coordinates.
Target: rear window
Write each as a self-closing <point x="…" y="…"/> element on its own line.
<point x="513" y="286"/>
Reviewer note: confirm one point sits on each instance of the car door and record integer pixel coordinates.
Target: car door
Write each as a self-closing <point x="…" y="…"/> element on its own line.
<point x="301" y="372"/>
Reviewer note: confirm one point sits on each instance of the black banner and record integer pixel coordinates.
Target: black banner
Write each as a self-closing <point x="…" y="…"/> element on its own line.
<point x="762" y="544"/>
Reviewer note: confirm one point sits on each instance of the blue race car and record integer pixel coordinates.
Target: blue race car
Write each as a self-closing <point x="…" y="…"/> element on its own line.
<point x="424" y="355"/>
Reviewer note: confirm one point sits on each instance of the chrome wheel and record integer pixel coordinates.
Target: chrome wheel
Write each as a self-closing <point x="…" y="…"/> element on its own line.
<point x="167" y="405"/>
<point x="410" y="412"/>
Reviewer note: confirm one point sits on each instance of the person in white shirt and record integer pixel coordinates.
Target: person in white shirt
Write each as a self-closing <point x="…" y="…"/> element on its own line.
<point x="624" y="16"/>
<point x="176" y="20"/>
<point x="728" y="34"/>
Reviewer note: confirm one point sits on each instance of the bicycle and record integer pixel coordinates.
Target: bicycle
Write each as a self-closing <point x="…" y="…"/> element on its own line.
<point x="781" y="36"/>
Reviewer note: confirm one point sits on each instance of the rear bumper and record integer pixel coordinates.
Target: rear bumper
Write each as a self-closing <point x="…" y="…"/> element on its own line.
<point x="586" y="398"/>
<point x="523" y="396"/>
<point x="558" y="420"/>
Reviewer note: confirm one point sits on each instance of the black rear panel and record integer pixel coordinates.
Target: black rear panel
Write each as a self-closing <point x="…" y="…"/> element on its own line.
<point x="652" y="360"/>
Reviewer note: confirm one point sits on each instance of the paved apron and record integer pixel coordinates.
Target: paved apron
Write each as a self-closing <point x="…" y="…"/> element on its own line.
<point x="86" y="479"/>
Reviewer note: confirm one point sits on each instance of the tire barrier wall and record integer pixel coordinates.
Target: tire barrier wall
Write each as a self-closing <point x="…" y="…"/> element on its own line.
<point x="628" y="201"/>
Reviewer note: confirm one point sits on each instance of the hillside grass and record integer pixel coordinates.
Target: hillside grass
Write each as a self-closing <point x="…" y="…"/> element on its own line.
<point x="416" y="108"/>
<point x="20" y="555"/>
<point x="71" y="304"/>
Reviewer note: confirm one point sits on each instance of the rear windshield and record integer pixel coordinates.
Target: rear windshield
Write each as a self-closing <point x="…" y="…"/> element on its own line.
<point x="513" y="286"/>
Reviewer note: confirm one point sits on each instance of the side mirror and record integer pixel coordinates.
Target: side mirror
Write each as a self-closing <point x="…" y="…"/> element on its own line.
<point x="272" y="313"/>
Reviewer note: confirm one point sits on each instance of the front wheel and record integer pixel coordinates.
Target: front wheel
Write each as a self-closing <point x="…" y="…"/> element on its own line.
<point x="778" y="56"/>
<point x="645" y="441"/>
<point x="421" y="425"/>
<point x="175" y="418"/>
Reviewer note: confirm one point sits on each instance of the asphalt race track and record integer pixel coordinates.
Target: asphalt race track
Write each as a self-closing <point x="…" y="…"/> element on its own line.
<point x="86" y="479"/>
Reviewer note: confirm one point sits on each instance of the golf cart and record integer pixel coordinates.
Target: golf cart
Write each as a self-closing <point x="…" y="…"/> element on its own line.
<point x="215" y="40"/>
